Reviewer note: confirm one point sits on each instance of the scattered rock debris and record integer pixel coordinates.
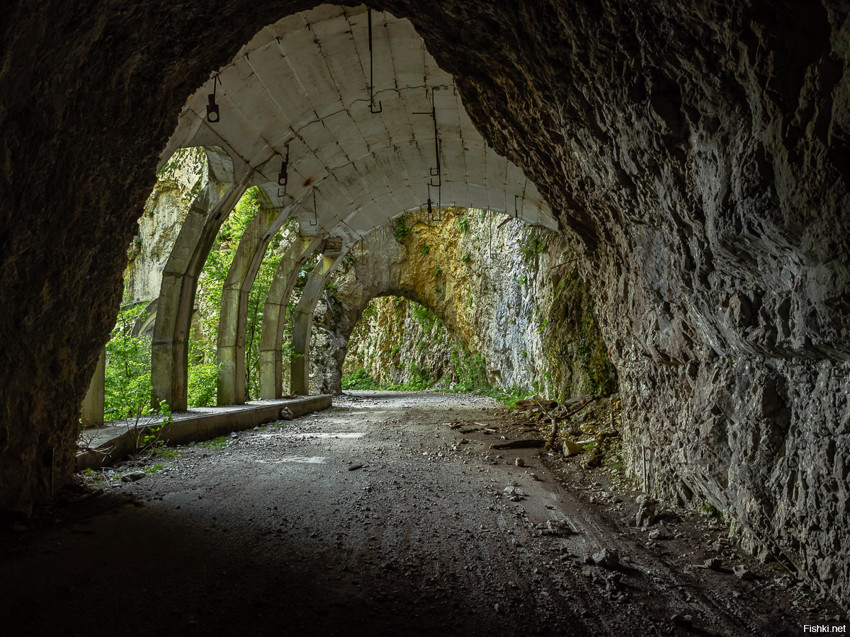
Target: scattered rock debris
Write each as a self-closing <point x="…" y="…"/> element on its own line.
<point x="421" y="534"/>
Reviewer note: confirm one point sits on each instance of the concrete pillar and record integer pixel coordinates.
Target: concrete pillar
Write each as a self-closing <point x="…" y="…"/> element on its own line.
<point x="169" y="355"/>
<point x="303" y="322"/>
<point x="92" y="410"/>
<point x="274" y="315"/>
<point x="234" y="300"/>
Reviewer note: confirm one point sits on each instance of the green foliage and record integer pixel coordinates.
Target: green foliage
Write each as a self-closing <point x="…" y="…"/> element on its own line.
<point x="202" y="384"/>
<point x="215" y="443"/>
<point x="360" y="379"/>
<point x="463" y="222"/>
<point x="400" y="230"/>
<point x="426" y="318"/>
<point x="128" y="369"/>
<point x="593" y="356"/>
<point x="471" y="369"/>
<point x="420" y="380"/>
<point x="424" y="249"/>
<point x="438" y="272"/>
<point x="509" y="397"/>
<point x="203" y="370"/>
<point x="465" y="257"/>
<point x="532" y="246"/>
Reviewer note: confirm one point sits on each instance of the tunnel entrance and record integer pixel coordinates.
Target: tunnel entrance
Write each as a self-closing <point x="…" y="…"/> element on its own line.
<point x="701" y="185"/>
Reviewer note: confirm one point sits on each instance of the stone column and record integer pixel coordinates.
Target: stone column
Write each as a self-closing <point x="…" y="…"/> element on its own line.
<point x="170" y="356"/>
<point x="234" y="300"/>
<point x="303" y="322"/>
<point x="92" y="409"/>
<point x="274" y="315"/>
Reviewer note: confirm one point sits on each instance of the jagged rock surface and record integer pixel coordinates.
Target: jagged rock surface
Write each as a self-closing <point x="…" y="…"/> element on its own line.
<point x="166" y="208"/>
<point x="507" y="292"/>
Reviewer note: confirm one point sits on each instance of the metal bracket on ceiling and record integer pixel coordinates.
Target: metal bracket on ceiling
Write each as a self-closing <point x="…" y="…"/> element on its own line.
<point x="372" y="108"/>
<point x="434" y="172"/>
<point x="435" y="216"/>
<point x="437" y="171"/>
<point x="283" y="176"/>
<point x="212" y="107"/>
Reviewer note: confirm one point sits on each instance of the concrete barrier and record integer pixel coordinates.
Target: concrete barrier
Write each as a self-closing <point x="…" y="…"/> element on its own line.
<point x="117" y="442"/>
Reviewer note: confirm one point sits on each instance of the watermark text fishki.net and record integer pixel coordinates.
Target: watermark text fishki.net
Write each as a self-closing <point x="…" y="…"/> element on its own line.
<point x="825" y="628"/>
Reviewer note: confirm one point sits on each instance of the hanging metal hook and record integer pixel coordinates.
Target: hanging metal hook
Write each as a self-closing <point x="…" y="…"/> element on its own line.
<point x="372" y="108"/>
<point x="212" y="107"/>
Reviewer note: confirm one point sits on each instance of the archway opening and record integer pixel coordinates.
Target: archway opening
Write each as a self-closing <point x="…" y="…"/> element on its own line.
<point x="467" y="299"/>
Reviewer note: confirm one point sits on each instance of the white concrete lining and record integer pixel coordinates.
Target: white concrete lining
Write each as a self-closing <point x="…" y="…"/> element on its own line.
<point x="304" y="81"/>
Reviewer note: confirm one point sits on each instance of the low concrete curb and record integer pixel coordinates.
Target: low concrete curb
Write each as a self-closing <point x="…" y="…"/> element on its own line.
<point x="197" y="426"/>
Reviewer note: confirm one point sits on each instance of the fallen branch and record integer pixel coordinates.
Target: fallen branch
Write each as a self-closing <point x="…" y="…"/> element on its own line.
<point x="575" y="407"/>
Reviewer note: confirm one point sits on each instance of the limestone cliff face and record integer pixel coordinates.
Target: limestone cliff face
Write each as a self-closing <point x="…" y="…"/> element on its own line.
<point x="165" y="211"/>
<point x="507" y="292"/>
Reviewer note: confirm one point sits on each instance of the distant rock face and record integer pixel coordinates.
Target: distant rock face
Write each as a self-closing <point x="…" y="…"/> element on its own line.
<point x="697" y="155"/>
<point x="165" y="211"/>
<point x="507" y="292"/>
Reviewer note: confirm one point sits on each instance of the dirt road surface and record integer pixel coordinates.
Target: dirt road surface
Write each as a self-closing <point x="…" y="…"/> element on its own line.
<point x="389" y="514"/>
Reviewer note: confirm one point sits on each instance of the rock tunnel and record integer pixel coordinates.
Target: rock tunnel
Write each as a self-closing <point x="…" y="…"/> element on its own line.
<point x="693" y="156"/>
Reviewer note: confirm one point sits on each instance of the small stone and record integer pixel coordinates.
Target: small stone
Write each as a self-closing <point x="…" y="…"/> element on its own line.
<point x="647" y="513"/>
<point x="536" y="477"/>
<point x="132" y="476"/>
<point x="743" y="572"/>
<point x="286" y="414"/>
<point x="656" y="534"/>
<point x="682" y="619"/>
<point x="514" y="494"/>
<point x="571" y="448"/>
<point x="463" y="441"/>
<point x="606" y="558"/>
<point x="519" y="462"/>
<point x="558" y="527"/>
<point x="714" y="564"/>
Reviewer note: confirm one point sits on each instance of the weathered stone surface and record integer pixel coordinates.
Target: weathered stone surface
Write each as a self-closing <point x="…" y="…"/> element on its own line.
<point x="508" y="294"/>
<point x="166" y="208"/>
<point x="697" y="153"/>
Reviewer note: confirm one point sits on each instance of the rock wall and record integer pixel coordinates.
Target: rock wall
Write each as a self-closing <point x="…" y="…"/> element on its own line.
<point x="505" y="291"/>
<point x="398" y="341"/>
<point x="696" y="153"/>
<point x="177" y="184"/>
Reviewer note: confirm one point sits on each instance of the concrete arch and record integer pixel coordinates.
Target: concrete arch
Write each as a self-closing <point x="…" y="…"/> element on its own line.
<point x="169" y="353"/>
<point x="303" y="319"/>
<point x="146" y="320"/>
<point x="364" y="167"/>
<point x="274" y="315"/>
<point x="234" y="298"/>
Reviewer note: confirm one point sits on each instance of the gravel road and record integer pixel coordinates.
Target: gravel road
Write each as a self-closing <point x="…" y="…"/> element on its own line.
<point x="389" y="514"/>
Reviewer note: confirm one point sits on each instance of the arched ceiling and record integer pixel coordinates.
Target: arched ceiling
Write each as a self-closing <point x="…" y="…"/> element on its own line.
<point x="303" y="83"/>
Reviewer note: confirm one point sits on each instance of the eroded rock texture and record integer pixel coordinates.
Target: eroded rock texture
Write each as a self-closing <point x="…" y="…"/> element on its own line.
<point x="506" y="291"/>
<point x="697" y="153"/>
